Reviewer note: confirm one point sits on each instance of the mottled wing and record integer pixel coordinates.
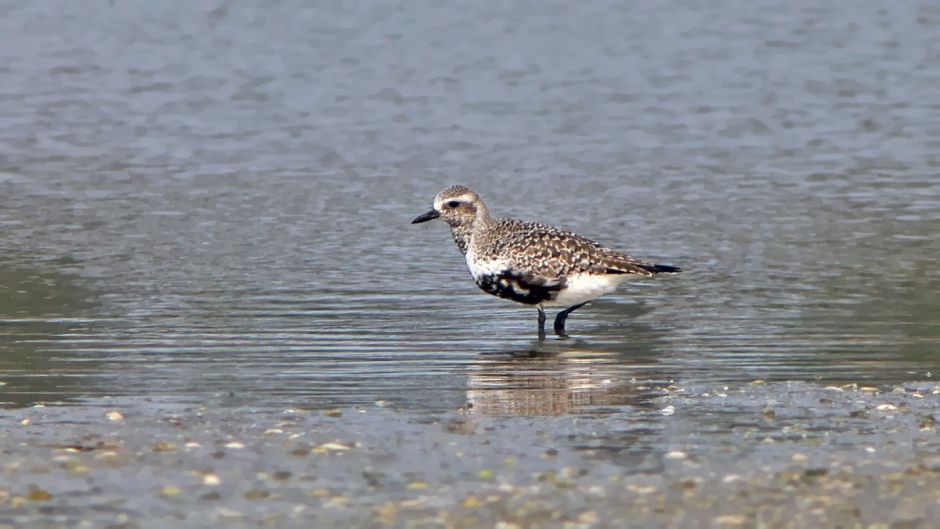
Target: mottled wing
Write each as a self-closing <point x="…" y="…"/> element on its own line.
<point x="552" y="254"/>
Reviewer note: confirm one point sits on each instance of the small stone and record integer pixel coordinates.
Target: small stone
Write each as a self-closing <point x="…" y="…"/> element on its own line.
<point x="675" y="454"/>
<point x="164" y="446"/>
<point x="799" y="458"/>
<point x="730" y="520"/>
<point x="417" y="485"/>
<point x="211" y="479"/>
<point x="640" y="488"/>
<point x="223" y="512"/>
<point x="79" y="469"/>
<point x="868" y="389"/>
<point x="37" y="494"/>
<point x="927" y="423"/>
<point x="333" y="446"/>
<point x="470" y="502"/>
<point x="192" y="444"/>
<point x="272" y="431"/>
<point x="757" y="382"/>
<point x="256" y="494"/>
<point x="886" y="407"/>
<point x="170" y="491"/>
<point x="333" y="413"/>
<point x="870" y="449"/>
<point x="235" y="445"/>
<point x="114" y="415"/>
<point x="668" y="410"/>
<point x="26" y="422"/>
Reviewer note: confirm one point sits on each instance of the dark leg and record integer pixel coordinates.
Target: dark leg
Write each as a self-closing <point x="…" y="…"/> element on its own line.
<point x="562" y="316"/>
<point x="541" y="323"/>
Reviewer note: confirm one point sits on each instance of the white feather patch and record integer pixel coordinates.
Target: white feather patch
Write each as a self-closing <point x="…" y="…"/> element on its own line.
<point x="585" y="287"/>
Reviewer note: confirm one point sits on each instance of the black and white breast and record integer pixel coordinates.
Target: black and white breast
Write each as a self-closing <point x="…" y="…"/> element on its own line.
<point x="501" y="279"/>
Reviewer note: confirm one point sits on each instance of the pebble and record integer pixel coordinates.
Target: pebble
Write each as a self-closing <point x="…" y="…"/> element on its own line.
<point x="332" y="446"/>
<point x="37" y="494"/>
<point x="675" y="454"/>
<point x="668" y="410"/>
<point x="169" y="491"/>
<point x="164" y="446"/>
<point x="641" y="489"/>
<point x="211" y="479"/>
<point x="114" y="415"/>
<point x="235" y="445"/>
<point x="730" y="520"/>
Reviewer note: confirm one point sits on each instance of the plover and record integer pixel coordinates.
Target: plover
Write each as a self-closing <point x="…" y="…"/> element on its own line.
<point x="531" y="263"/>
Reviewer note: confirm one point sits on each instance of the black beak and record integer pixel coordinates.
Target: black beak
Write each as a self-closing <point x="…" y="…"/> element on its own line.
<point x="430" y="215"/>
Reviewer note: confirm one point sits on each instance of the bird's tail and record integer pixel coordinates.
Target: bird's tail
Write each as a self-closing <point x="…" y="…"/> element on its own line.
<point x="661" y="268"/>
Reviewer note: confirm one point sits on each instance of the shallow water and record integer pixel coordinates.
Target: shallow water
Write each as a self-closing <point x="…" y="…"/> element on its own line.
<point x="208" y="201"/>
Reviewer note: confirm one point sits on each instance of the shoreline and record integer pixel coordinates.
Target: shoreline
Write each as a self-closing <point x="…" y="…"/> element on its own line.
<point x="760" y="454"/>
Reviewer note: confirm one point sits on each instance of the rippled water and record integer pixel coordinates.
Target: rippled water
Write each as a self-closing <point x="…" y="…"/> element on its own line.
<point x="213" y="201"/>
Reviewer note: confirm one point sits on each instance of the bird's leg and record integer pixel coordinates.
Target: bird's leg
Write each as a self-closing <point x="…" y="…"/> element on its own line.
<point x="562" y="316"/>
<point x="541" y="323"/>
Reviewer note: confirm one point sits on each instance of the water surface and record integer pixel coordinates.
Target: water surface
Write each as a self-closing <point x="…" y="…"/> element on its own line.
<point x="212" y="201"/>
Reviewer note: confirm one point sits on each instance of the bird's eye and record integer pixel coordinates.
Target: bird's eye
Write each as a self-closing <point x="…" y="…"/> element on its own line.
<point x="453" y="203"/>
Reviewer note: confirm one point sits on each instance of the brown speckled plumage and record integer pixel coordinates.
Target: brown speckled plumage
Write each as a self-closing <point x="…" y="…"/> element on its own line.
<point x="550" y="252"/>
<point x="532" y="263"/>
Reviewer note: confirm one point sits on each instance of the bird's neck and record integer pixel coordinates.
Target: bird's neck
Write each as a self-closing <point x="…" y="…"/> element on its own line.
<point x="462" y="233"/>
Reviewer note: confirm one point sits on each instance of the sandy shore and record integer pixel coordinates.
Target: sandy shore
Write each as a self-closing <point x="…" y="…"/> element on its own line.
<point x="752" y="455"/>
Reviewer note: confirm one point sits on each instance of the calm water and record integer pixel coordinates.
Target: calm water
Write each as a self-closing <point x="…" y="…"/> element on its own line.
<point x="213" y="201"/>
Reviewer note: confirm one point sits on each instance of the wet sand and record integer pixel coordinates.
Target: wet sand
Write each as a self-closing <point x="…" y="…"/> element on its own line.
<point x="749" y="455"/>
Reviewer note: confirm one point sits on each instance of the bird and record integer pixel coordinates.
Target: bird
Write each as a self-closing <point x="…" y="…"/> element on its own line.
<point x="532" y="263"/>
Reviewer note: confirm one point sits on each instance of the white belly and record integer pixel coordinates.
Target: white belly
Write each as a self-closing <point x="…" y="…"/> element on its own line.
<point x="585" y="287"/>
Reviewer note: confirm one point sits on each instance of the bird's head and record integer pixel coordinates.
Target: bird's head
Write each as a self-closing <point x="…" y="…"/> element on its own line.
<point x="455" y="205"/>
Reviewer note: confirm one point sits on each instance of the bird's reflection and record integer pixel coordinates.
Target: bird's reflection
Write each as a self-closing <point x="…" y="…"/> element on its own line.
<point x="611" y="369"/>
